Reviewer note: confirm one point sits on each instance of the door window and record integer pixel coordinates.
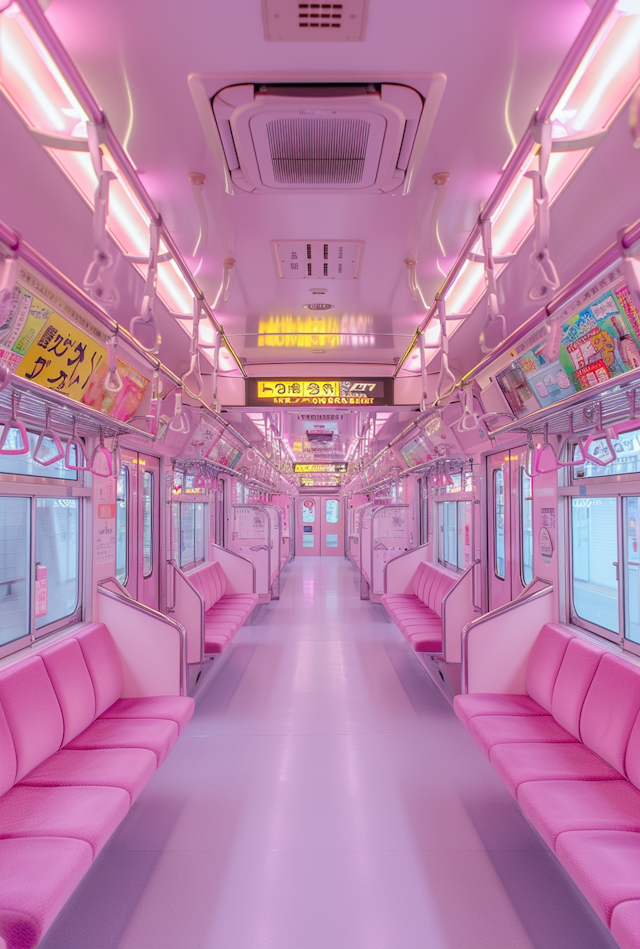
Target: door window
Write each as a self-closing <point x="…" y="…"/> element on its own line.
<point x="331" y="511"/>
<point x="122" y="525"/>
<point x="500" y="566"/>
<point x="308" y="511"/>
<point x="526" y="526"/>
<point x="147" y="524"/>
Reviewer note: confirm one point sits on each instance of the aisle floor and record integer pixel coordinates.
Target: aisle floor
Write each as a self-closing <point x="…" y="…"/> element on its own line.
<point x="324" y="796"/>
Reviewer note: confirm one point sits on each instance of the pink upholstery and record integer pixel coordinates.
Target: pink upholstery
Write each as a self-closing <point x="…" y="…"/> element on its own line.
<point x="575" y="675"/>
<point x="490" y="730"/>
<point x="544" y="663"/>
<point x="37" y="876"/>
<point x="539" y="761"/>
<point x="479" y="703"/>
<point x="65" y="664"/>
<point x="172" y="708"/>
<point x="90" y="814"/>
<point x="554" y="807"/>
<point x="68" y="801"/>
<point x="605" y="864"/>
<point x="32" y="711"/>
<point x="153" y="734"/>
<point x="611" y="709"/>
<point x="625" y="924"/>
<point x="103" y="663"/>
<point x="127" y="768"/>
<point x="418" y="615"/>
<point x="224" y="613"/>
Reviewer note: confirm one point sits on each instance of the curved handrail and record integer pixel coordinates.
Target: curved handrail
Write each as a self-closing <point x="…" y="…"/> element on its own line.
<point x="233" y="553"/>
<point x="149" y="611"/>
<point x="525" y="596"/>
<point x="404" y="553"/>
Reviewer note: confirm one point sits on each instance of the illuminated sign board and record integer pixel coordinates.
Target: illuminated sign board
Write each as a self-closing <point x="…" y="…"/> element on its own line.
<point x="320" y="392"/>
<point x="338" y="467"/>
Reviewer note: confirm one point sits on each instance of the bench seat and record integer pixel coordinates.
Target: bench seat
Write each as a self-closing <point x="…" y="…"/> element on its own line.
<point x="224" y="613"/>
<point x="74" y="756"/>
<point x="418" y="615"/>
<point x="569" y="752"/>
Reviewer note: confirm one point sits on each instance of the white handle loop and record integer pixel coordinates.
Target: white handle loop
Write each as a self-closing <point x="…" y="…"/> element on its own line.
<point x="98" y="281"/>
<point x="192" y="380"/>
<point x="179" y="422"/>
<point x="144" y="327"/>
<point x="544" y="276"/>
<point x="446" y="380"/>
<point x="113" y="382"/>
<point x="495" y="325"/>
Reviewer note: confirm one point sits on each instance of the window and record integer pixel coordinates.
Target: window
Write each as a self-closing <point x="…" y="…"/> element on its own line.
<point x="500" y="566"/>
<point x="331" y="511"/>
<point x="25" y="465"/>
<point x="147" y="524"/>
<point x="594" y="560"/>
<point x="454" y="541"/>
<point x="424" y="511"/>
<point x="190" y="516"/>
<point x="15" y="516"/>
<point x="308" y="511"/>
<point x="632" y="569"/>
<point x="627" y="461"/>
<point x="122" y="523"/>
<point x="57" y="559"/>
<point x="526" y="527"/>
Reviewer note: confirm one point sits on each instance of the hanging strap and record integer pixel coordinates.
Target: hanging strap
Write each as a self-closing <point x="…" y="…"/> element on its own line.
<point x="113" y="381"/>
<point x="495" y="326"/>
<point x="144" y="327"/>
<point x="98" y="281"/>
<point x="544" y="276"/>
<point x="446" y="379"/>
<point x="192" y="379"/>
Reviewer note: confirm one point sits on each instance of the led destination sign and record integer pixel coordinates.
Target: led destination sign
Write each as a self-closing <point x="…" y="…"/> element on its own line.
<point x="338" y="467"/>
<point x="319" y="391"/>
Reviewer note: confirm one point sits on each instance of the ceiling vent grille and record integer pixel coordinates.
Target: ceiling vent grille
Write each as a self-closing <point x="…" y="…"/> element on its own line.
<point x="306" y="151"/>
<point x="300" y="22"/>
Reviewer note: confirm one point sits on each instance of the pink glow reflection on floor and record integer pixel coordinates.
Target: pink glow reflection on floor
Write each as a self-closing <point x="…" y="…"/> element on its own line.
<point x="324" y="796"/>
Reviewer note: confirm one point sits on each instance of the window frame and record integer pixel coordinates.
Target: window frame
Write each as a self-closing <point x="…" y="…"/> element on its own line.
<point x="574" y="619"/>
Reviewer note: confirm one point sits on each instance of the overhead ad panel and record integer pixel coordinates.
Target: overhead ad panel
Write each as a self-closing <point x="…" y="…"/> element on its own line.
<point x="363" y="392"/>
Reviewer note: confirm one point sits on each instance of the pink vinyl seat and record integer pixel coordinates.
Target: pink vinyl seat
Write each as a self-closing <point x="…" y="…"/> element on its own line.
<point x="569" y="752"/>
<point x="74" y="755"/>
<point x="224" y="613"/>
<point x="418" y="615"/>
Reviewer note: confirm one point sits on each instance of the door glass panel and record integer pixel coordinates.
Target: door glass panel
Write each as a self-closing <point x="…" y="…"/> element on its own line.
<point x="594" y="553"/>
<point x="308" y="512"/>
<point x="122" y="512"/>
<point x="147" y="524"/>
<point x="187" y="533"/>
<point x="632" y="568"/>
<point x="331" y="511"/>
<point x="526" y="527"/>
<point x="498" y="524"/>
<point x="14" y="569"/>
<point x="199" y="532"/>
<point x="57" y="549"/>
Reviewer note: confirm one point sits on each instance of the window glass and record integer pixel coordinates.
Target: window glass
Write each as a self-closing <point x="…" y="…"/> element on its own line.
<point x="632" y="568"/>
<point x="626" y="449"/>
<point x="450" y="533"/>
<point x="424" y="512"/>
<point x="526" y="526"/>
<point x="14" y="568"/>
<point x="199" y="529"/>
<point x="498" y="524"/>
<point x="147" y="524"/>
<point x="331" y="511"/>
<point x="308" y="511"/>
<point x="57" y="559"/>
<point x="594" y="558"/>
<point x="25" y="465"/>
<point x="122" y="508"/>
<point x="187" y="534"/>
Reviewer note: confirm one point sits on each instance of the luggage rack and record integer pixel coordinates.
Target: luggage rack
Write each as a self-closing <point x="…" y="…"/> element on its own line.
<point x="605" y="405"/>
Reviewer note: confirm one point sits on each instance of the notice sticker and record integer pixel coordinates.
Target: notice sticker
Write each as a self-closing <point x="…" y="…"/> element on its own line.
<point x="41" y="591"/>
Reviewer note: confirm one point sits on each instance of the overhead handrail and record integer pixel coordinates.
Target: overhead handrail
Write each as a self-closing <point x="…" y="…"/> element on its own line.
<point x="48" y="433"/>
<point x="14" y="424"/>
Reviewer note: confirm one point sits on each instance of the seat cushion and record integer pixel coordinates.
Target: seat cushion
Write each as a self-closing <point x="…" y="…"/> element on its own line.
<point x="575" y="675"/>
<point x="611" y="709"/>
<point x="539" y="761"/>
<point x="154" y="734"/>
<point x="605" y="864"/>
<point x="544" y="662"/>
<point x="625" y="924"/>
<point x="8" y="760"/>
<point x="488" y="703"/>
<point x="426" y="642"/>
<point x="172" y="708"/>
<point x="37" y="876"/>
<point x="103" y="663"/>
<point x="127" y="768"/>
<point x="490" y="730"/>
<point x="72" y="684"/>
<point x="554" y="807"/>
<point x="32" y="712"/>
<point x="85" y="813"/>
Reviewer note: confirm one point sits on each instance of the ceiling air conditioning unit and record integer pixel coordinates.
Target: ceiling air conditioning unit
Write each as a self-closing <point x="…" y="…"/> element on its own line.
<point x="313" y="137"/>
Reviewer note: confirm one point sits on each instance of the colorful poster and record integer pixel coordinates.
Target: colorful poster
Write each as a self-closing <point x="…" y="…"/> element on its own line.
<point x="599" y="342"/>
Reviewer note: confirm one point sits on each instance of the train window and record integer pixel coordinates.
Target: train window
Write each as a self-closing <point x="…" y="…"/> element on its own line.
<point x="200" y="533"/>
<point x="424" y="511"/>
<point x="498" y="524"/>
<point x="122" y="522"/>
<point x="25" y="465"/>
<point x="192" y="533"/>
<point x="57" y="559"/>
<point x="526" y="527"/>
<point x="14" y="568"/>
<point x="627" y="461"/>
<point x="454" y="529"/>
<point x="594" y="561"/>
<point x="147" y="524"/>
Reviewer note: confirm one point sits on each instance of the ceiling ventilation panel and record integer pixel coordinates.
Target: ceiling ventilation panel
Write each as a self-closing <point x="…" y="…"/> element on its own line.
<point x="318" y="22"/>
<point x="324" y="138"/>
<point x="312" y="260"/>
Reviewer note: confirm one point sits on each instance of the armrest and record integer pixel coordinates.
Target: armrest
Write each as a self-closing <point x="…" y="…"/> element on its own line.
<point x="240" y="572"/>
<point x="399" y="572"/>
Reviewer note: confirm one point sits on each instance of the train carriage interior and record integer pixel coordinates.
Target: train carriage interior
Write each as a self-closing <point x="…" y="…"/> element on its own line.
<point x="320" y="474"/>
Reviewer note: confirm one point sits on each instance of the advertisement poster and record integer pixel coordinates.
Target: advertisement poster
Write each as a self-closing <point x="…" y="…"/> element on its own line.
<point x="599" y="342"/>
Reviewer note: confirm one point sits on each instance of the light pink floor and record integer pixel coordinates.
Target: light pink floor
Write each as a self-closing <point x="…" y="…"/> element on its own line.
<point x="324" y="796"/>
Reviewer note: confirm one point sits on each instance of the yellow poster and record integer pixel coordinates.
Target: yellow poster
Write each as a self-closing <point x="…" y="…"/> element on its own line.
<point x="303" y="389"/>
